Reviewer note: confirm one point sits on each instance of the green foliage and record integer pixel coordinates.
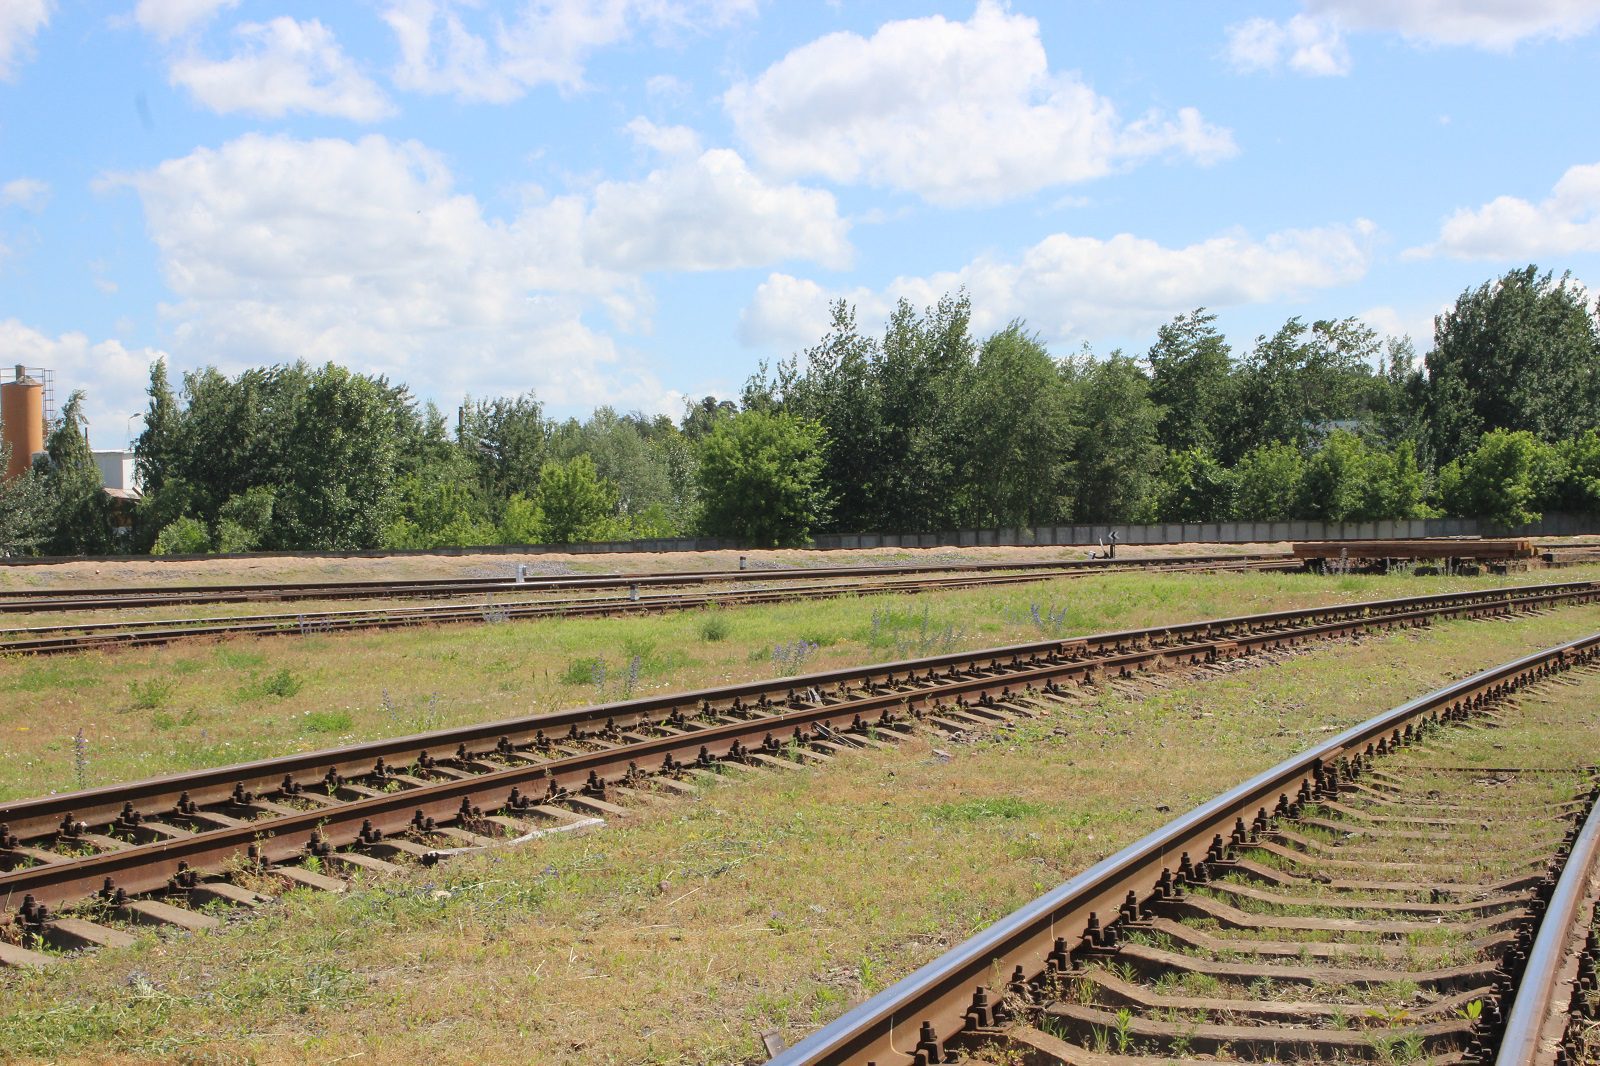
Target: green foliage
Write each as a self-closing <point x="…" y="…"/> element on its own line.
<point x="715" y="626"/>
<point x="577" y="505"/>
<point x="1518" y="353"/>
<point x="1266" y="483"/>
<point x="761" y="479"/>
<point x="1191" y="380"/>
<point x="183" y="536"/>
<point x="1192" y="487"/>
<point x="80" y="511"/>
<point x="1018" y="431"/>
<point x="1116" y="456"/>
<point x="280" y="684"/>
<point x="522" y="521"/>
<point x="1348" y="480"/>
<point x="1507" y="478"/>
<point x="25" y="510"/>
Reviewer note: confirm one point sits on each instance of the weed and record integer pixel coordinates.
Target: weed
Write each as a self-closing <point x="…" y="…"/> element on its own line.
<point x="150" y="695"/>
<point x="281" y="685"/>
<point x="80" y="758"/>
<point x="972" y="810"/>
<point x="789" y="659"/>
<point x="714" y="626"/>
<point x="327" y="721"/>
<point x="583" y="671"/>
<point x="163" y="721"/>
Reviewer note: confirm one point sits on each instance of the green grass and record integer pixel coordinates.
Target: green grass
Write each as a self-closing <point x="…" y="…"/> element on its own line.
<point x="772" y="901"/>
<point x="250" y="695"/>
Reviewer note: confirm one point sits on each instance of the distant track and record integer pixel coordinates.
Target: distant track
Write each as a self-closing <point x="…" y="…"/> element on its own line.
<point x="90" y="599"/>
<point x="509" y="601"/>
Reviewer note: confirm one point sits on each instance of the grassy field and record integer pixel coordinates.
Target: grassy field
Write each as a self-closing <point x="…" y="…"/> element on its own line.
<point x="772" y="901"/>
<point x="79" y="721"/>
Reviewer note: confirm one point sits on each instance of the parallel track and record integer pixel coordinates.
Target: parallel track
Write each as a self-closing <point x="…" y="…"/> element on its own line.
<point x="56" y="639"/>
<point x="412" y="796"/>
<point x="36" y="600"/>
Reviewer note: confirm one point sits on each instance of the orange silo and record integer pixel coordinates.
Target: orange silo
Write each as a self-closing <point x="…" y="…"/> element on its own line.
<point x="22" y="420"/>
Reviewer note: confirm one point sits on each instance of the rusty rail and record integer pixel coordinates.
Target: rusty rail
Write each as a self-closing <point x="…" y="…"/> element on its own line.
<point x="1004" y="665"/>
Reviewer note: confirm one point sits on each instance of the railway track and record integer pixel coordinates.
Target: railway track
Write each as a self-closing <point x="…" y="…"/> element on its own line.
<point x="52" y="639"/>
<point x="150" y="851"/>
<point x="39" y="600"/>
<point x="1385" y="897"/>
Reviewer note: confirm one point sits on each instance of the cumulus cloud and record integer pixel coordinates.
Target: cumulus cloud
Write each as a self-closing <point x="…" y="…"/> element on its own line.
<point x="20" y="22"/>
<point x="957" y="112"/>
<point x="112" y="376"/>
<point x="1313" y="42"/>
<point x="280" y="67"/>
<point x="30" y="194"/>
<point x="712" y="213"/>
<point x="1308" y="45"/>
<point x="1507" y="227"/>
<point x="365" y="252"/>
<point x="446" y="48"/>
<point x="1083" y="288"/>
<point x="169" y="19"/>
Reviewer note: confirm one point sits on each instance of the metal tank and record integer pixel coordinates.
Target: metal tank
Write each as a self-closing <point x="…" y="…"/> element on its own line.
<point x="22" y="420"/>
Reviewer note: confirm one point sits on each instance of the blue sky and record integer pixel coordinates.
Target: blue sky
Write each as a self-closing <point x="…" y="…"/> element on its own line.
<point x="630" y="201"/>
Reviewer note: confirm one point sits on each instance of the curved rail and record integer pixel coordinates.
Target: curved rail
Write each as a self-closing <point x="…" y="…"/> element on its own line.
<point x="1536" y="1021"/>
<point x="938" y="1000"/>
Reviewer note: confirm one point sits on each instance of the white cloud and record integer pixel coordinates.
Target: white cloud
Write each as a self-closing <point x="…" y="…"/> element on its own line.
<point x="547" y="42"/>
<point x="1313" y="42"/>
<point x="667" y="140"/>
<point x="283" y="66"/>
<point x="112" y="376"/>
<point x="1083" y="288"/>
<point x="712" y="213"/>
<point x="167" y="19"/>
<point x="30" y="194"/>
<point x="20" y="21"/>
<point x="1497" y="25"/>
<point x="957" y="112"/>
<point x="364" y="252"/>
<point x="1565" y="222"/>
<point x="1308" y="45"/>
<point x="1404" y="322"/>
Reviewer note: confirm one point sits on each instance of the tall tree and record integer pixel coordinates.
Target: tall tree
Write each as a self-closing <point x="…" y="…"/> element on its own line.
<point x="1116" y="456"/>
<point x="761" y="479"/>
<point x="1191" y="380"/>
<point x="1017" y="431"/>
<point x="1518" y="353"/>
<point x="80" y="510"/>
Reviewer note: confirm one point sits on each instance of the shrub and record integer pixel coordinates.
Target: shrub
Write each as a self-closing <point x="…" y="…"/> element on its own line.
<point x="185" y="536"/>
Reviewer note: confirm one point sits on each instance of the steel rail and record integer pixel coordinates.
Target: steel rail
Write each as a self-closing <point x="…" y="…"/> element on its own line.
<point x="476" y="607"/>
<point x="101" y="805"/>
<point x="50" y="599"/>
<point x="148" y="867"/>
<point x="1535" y="1023"/>
<point x="146" y="633"/>
<point x="936" y="998"/>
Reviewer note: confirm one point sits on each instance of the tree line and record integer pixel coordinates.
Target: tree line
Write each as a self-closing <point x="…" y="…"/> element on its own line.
<point x="920" y="426"/>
